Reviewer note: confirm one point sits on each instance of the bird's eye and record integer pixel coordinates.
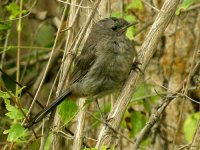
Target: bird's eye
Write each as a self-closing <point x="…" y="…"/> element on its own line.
<point x="114" y="28"/>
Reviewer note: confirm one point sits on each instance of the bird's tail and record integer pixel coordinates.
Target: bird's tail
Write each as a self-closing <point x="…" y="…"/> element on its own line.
<point x="48" y="109"/>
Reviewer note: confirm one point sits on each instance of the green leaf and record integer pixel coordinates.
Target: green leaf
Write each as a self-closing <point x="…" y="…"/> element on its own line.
<point x="90" y="149"/>
<point x="130" y="18"/>
<point x="184" y="5"/>
<point x="5" y="25"/>
<point x="116" y="14"/>
<point x="45" y="36"/>
<point x="138" y="121"/>
<point x="190" y="126"/>
<point x="130" y="33"/>
<point x="16" y="113"/>
<point x="16" y="133"/>
<point x="4" y="95"/>
<point x="146" y="142"/>
<point x="142" y="90"/>
<point x="14" y="10"/>
<point x="68" y="110"/>
<point x="131" y="30"/>
<point x="102" y="148"/>
<point x="105" y="148"/>
<point x="20" y="90"/>
<point x="13" y="112"/>
<point x="104" y="110"/>
<point x="147" y="102"/>
<point x="48" y="142"/>
<point x="135" y="4"/>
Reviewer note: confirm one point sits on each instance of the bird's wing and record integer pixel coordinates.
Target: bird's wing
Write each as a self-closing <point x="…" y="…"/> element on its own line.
<point x="83" y="63"/>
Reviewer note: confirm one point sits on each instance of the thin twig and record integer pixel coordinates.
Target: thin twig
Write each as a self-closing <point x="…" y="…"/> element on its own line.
<point x="143" y="28"/>
<point x="72" y="4"/>
<point x="67" y="61"/>
<point x="156" y="9"/>
<point x="47" y="66"/>
<point x="193" y="7"/>
<point x="26" y="91"/>
<point x="153" y="119"/>
<point x="15" y="101"/>
<point x="44" y="138"/>
<point x="196" y="140"/>
<point x="166" y="93"/>
<point x="19" y="26"/>
<point x="22" y="16"/>
<point x="65" y="68"/>
<point x="194" y="59"/>
<point x="4" y="49"/>
<point x="45" y="73"/>
<point x="117" y="132"/>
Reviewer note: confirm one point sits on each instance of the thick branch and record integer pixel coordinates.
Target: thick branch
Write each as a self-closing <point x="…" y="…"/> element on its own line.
<point x="147" y="50"/>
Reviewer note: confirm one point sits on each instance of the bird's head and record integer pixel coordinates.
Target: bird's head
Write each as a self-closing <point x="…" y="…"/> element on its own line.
<point x="113" y="24"/>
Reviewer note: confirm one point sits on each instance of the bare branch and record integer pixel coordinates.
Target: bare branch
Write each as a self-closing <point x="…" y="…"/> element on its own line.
<point x="70" y="48"/>
<point x="77" y="144"/>
<point x="147" y="50"/>
<point x="196" y="140"/>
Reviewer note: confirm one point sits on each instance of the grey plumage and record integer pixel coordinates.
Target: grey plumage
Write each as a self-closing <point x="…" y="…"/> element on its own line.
<point x="103" y="65"/>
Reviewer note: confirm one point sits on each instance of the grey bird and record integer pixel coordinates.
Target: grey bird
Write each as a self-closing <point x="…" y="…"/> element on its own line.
<point x="103" y="65"/>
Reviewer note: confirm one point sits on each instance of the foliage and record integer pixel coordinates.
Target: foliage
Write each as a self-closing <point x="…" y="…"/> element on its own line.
<point x="5" y="25"/>
<point x="48" y="142"/>
<point x="103" y="148"/>
<point x="128" y="16"/>
<point x="138" y="121"/>
<point x="184" y="5"/>
<point x="135" y="4"/>
<point x="68" y="110"/>
<point x="13" y="112"/>
<point x="16" y="133"/>
<point x="45" y="36"/>
<point x="41" y="34"/>
<point x="190" y="126"/>
<point x="14" y="10"/>
<point x="104" y="110"/>
<point x="146" y="95"/>
<point x="134" y="120"/>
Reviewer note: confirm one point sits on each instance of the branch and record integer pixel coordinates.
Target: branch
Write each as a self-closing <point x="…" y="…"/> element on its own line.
<point x="77" y="143"/>
<point x="154" y="118"/>
<point x="65" y="67"/>
<point x="196" y="139"/>
<point x="147" y="50"/>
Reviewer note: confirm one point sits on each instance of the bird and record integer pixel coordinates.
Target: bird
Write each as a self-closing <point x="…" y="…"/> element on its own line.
<point x="103" y="65"/>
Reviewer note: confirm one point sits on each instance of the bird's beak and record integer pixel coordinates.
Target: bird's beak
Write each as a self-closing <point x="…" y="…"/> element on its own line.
<point x="131" y="24"/>
<point x="123" y="29"/>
